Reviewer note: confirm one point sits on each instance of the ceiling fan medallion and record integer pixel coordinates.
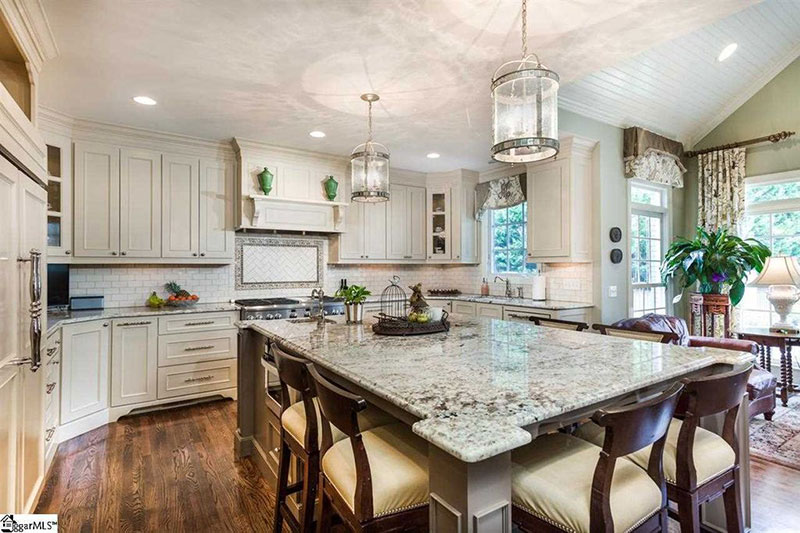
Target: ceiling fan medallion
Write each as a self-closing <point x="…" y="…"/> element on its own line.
<point x="369" y="165"/>
<point x="525" y="107"/>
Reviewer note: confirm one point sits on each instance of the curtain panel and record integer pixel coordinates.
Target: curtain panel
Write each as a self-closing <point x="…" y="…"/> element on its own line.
<point x="720" y="189"/>
<point x="653" y="158"/>
<point x="500" y="193"/>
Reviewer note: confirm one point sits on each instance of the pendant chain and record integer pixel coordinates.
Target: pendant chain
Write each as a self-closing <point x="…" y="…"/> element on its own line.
<point x="524" y="29"/>
<point x="369" y="122"/>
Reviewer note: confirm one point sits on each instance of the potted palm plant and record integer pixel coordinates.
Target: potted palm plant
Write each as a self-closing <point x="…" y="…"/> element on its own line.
<point x="354" y="298"/>
<point x="716" y="261"/>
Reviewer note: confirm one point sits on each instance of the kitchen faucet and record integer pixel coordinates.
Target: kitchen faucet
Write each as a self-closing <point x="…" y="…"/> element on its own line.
<point x="508" y="285"/>
<point x="319" y="294"/>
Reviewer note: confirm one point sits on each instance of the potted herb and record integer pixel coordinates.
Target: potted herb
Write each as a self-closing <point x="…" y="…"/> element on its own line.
<point x="354" y="298"/>
<point x="718" y="262"/>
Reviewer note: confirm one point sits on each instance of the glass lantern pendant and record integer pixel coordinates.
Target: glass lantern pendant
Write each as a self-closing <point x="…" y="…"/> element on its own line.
<point x="525" y="112"/>
<point x="369" y="165"/>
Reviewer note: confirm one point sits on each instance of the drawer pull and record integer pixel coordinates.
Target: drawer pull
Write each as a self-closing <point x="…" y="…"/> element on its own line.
<point x="201" y="323"/>
<point x="525" y="317"/>
<point x="196" y="348"/>
<point x="141" y="323"/>
<point x="50" y="433"/>
<point x="50" y="387"/>
<point x="200" y="378"/>
<point x="51" y="351"/>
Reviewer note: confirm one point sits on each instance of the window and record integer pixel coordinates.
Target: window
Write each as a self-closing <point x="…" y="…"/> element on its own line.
<point x="508" y="237"/>
<point x="772" y="215"/>
<point x="648" y="231"/>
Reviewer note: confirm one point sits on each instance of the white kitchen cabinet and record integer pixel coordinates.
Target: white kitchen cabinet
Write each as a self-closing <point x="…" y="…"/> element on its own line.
<point x="489" y="310"/>
<point x="194" y="378"/>
<point x="452" y="231"/>
<point x="96" y="200"/>
<point x="464" y="308"/>
<point x="465" y="235"/>
<point x="140" y="203"/>
<point x="84" y="372"/>
<point x="350" y="244"/>
<point x="59" y="195"/>
<point x="134" y="360"/>
<point x="405" y="234"/>
<point x="438" y="223"/>
<point x="560" y="205"/>
<point x="180" y="206"/>
<point x="216" y="208"/>
<point x="375" y="230"/>
<point x="197" y="347"/>
<point x="365" y="234"/>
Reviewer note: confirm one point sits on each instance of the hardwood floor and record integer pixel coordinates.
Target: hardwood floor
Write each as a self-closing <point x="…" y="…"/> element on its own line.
<point x="174" y="471"/>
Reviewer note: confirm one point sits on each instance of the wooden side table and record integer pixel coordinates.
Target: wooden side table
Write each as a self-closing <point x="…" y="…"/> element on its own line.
<point x="767" y="340"/>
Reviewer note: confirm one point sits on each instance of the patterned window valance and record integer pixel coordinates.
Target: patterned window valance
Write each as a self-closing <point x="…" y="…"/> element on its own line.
<point x="652" y="157"/>
<point x="499" y="194"/>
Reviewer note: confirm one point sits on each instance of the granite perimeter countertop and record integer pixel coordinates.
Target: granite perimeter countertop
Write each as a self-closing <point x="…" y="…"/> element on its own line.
<point x="551" y="305"/>
<point x="478" y="386"/>
<point x="56" y="319"/>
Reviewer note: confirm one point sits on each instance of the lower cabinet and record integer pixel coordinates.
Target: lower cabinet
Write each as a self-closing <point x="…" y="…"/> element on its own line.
<point x="134" y="361"/>
<point x="464" y="308"/>
<point x="180" y="380"/>
<point x="514" y="313"/>
<point x="489" y="310"/>
<point x="84" y="369"/>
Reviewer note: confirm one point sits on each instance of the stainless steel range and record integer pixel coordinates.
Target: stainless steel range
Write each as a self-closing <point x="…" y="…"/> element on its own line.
<point x="277" y="308"/>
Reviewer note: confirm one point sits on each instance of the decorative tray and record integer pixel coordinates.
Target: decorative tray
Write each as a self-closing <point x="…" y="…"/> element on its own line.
<point x="390" y="325"/>
<point x="444" y="292"/>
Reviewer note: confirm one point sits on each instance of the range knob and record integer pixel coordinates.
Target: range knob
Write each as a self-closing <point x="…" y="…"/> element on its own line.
<point x="307" y="314"/>
<point x="325" y="312"/>
<point x="268" y="316"/>
<point x="292" y="315"/>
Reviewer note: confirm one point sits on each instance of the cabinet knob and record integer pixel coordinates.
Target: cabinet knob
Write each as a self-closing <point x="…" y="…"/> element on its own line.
<point x="113" y="253"/>
<point x="105" y="325"/>
<point x="202" y="254"/>
<point x="67" y="252"/>
<point x="194" y="254"/>
<point x="124" y="253"/>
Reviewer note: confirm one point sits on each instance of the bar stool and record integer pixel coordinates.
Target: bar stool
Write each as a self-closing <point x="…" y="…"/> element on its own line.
<point x="558" y="323"/>
<point x="653" y="336"/>
<point x="563" y="483"/>
<point x="303" y="439"/>
<point x="376" y="480"/>
<point x="700" y="465"/>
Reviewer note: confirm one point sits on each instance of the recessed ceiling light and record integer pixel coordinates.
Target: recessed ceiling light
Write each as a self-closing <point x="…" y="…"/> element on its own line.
<point x="318" y="134"/>
<point x="433" y="155"/>
<point x="727" y="52"/>
<point x="144" y="100"/>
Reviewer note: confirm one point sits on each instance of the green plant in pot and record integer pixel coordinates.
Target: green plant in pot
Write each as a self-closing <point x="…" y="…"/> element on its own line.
<point x="354" y="298"/>
<point x="716" y="261"/>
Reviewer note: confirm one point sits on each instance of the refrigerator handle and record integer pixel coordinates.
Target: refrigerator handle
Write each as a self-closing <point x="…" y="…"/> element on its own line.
<point x="35" y="260"/>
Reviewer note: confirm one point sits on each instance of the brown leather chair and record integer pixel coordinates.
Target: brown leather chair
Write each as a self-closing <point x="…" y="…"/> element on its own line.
<point x="761" y="384"/>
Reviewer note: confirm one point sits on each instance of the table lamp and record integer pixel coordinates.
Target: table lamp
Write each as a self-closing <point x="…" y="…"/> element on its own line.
<point x="782" y="276"/>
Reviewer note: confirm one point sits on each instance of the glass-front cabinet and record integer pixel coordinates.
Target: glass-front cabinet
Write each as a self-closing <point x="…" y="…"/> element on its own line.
<point x="59" y="194"/>
<point x="439" y="224"/>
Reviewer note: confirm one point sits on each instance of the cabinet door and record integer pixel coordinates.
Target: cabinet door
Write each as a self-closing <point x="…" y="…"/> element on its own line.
<point x="140" y="203"/>
<point x="398" y="234"/>
<point x="416" y="212"/>
<point x="216" y="208"/>
<point x="351" y="242"/>
<point x="489" y="310"/>
<point x="59" y="183"/>
<point x="464" y="308"/>
<point x="180" y="206"/>
<point x="96" y="199"/>
<point x="375" y="230"/>
<point x="10" y="377"/>
<point x="84" y="372"/>
<point x="134" y="361"/>
<point x="548" y="210"/>
<point x="439" y="224"/>
<point x="9" y="277"/>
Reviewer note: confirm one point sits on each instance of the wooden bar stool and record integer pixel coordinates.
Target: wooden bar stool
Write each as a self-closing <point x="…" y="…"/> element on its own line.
<point x="562" y="483"/>
<point x="303" y="439"/>
<point x="376" y="480"/>
<point x="700" y="465"/>
<point x="653" y="336"/>
<point x="560" y="324"/>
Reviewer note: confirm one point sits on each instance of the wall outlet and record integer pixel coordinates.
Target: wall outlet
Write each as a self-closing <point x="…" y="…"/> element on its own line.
<point x="612" y="291"/>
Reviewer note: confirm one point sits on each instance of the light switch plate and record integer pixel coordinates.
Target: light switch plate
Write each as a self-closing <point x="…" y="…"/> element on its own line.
<point x="612" y="291"/>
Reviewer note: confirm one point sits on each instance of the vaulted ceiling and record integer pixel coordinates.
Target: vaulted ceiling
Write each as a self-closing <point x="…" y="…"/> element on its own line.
<point x="274" y="70"/>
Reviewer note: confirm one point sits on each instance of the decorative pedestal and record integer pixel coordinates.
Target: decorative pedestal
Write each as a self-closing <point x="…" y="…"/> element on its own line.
<point x="707" y="311"/>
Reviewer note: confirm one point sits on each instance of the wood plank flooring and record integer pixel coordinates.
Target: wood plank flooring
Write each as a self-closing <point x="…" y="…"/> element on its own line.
<point x="174" y="471"/>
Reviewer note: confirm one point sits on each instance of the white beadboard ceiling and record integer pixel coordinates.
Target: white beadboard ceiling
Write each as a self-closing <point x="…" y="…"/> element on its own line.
<point x="678" y="88"/>
<point x="274" y="70"/>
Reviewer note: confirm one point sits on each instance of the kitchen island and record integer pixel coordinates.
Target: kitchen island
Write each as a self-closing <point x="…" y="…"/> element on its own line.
<point x="475" y="393"/>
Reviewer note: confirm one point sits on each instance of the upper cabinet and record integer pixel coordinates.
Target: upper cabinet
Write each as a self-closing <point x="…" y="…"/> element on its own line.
<point x="216" y="208"/>
<point x="405" y="220"/>
<point x="453" y="234"/>
<point x="140" y="203"/>
<point x="181" y="206"/>
<point x="59" y="195"/>
<point x="560" y="205"/>
<point x="96" y="200"/>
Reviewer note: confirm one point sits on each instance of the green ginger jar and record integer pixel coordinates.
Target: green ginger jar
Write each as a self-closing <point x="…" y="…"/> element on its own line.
<point x="265" y="179"/>
<point x="331" y="188"/>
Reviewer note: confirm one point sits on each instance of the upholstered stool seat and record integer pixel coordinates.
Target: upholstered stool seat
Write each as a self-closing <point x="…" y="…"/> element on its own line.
<point x="293" y="420"/>
<point x="712" y="455"/>
<point x="552" y="480"/>
<point x="398" y="460"/>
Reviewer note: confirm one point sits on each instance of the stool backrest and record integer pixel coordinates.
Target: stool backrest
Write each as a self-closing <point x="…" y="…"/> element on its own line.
<point x="560" y="324"/>
<point x="293" y="372"/>
<point x="706" y="396"/>
<point x="652" y="336"/>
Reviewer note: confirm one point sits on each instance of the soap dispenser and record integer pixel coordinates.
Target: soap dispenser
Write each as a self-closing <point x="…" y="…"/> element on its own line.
<point x="485" y="288"/>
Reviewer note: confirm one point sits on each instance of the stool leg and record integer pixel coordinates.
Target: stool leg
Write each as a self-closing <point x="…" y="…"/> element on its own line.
<point x="688" y="513"/>
<point x="733" y="508"/>
<point x="310" y="480"/>
<point x="325" y="512"/>
<point x="283" y="481"/>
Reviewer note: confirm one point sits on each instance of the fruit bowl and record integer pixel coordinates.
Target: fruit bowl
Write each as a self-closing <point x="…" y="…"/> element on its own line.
<point x="181" y="303"/>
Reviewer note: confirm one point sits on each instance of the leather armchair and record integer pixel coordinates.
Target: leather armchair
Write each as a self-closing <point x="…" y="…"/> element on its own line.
<point x="761" y="384"/>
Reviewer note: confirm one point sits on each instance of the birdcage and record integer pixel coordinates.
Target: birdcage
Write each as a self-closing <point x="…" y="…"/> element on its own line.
<point x="393" y="300"/>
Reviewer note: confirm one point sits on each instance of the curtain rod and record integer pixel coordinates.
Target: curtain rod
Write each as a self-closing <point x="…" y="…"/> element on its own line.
<point x="775" y="137"/>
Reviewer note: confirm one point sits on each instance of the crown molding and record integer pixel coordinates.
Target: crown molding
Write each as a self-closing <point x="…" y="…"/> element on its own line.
<point x="28" y="23"/>
<point x="241" y="145"/>
<point x="733" y="104"/>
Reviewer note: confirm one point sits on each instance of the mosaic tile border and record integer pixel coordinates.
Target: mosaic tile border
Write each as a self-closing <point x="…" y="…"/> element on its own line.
<point x="267" y="241"/>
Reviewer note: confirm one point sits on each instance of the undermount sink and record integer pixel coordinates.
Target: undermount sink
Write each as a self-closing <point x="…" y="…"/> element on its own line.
<point x="309" y="320"/>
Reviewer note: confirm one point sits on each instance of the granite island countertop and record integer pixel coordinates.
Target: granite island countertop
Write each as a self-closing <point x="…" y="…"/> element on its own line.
<point x="477" y="386"/>
<point x="56" y="319"/>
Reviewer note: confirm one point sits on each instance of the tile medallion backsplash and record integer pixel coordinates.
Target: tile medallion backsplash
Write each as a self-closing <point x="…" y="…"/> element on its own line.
<point x="264" y="262"/>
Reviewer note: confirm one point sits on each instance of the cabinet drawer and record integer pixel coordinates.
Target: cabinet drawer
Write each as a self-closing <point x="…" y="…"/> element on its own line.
<point x="52" y="387"/>
<point x="522" y="315"/>
<point x="464" y="308"/>
<point x="183" y="348"/>
<point x="196" y="322"/>
<point x="193" y="378"/>
<point x="489" y="310"/>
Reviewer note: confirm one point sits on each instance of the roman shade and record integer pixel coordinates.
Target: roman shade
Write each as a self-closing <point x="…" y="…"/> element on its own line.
<point x="500" y="193"/>
<point x="653" y="158"/>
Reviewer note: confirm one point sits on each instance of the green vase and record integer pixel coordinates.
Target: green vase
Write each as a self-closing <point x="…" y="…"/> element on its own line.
<point x="331" y="188"/>
<point x="265" y="178"/>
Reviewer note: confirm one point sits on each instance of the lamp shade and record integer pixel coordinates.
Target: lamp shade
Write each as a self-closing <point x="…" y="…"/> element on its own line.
<point x="778" y="271"/>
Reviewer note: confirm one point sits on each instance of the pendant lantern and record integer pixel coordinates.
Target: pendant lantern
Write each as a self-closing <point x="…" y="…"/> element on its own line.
<point x="369" y="165"/>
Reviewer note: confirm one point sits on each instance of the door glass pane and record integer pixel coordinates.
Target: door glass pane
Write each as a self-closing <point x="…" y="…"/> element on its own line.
<point x="54" y="161"/>
<point x="54" y="196"/>
<point x="437" y="203"/>
<point x="54" y="231"/>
